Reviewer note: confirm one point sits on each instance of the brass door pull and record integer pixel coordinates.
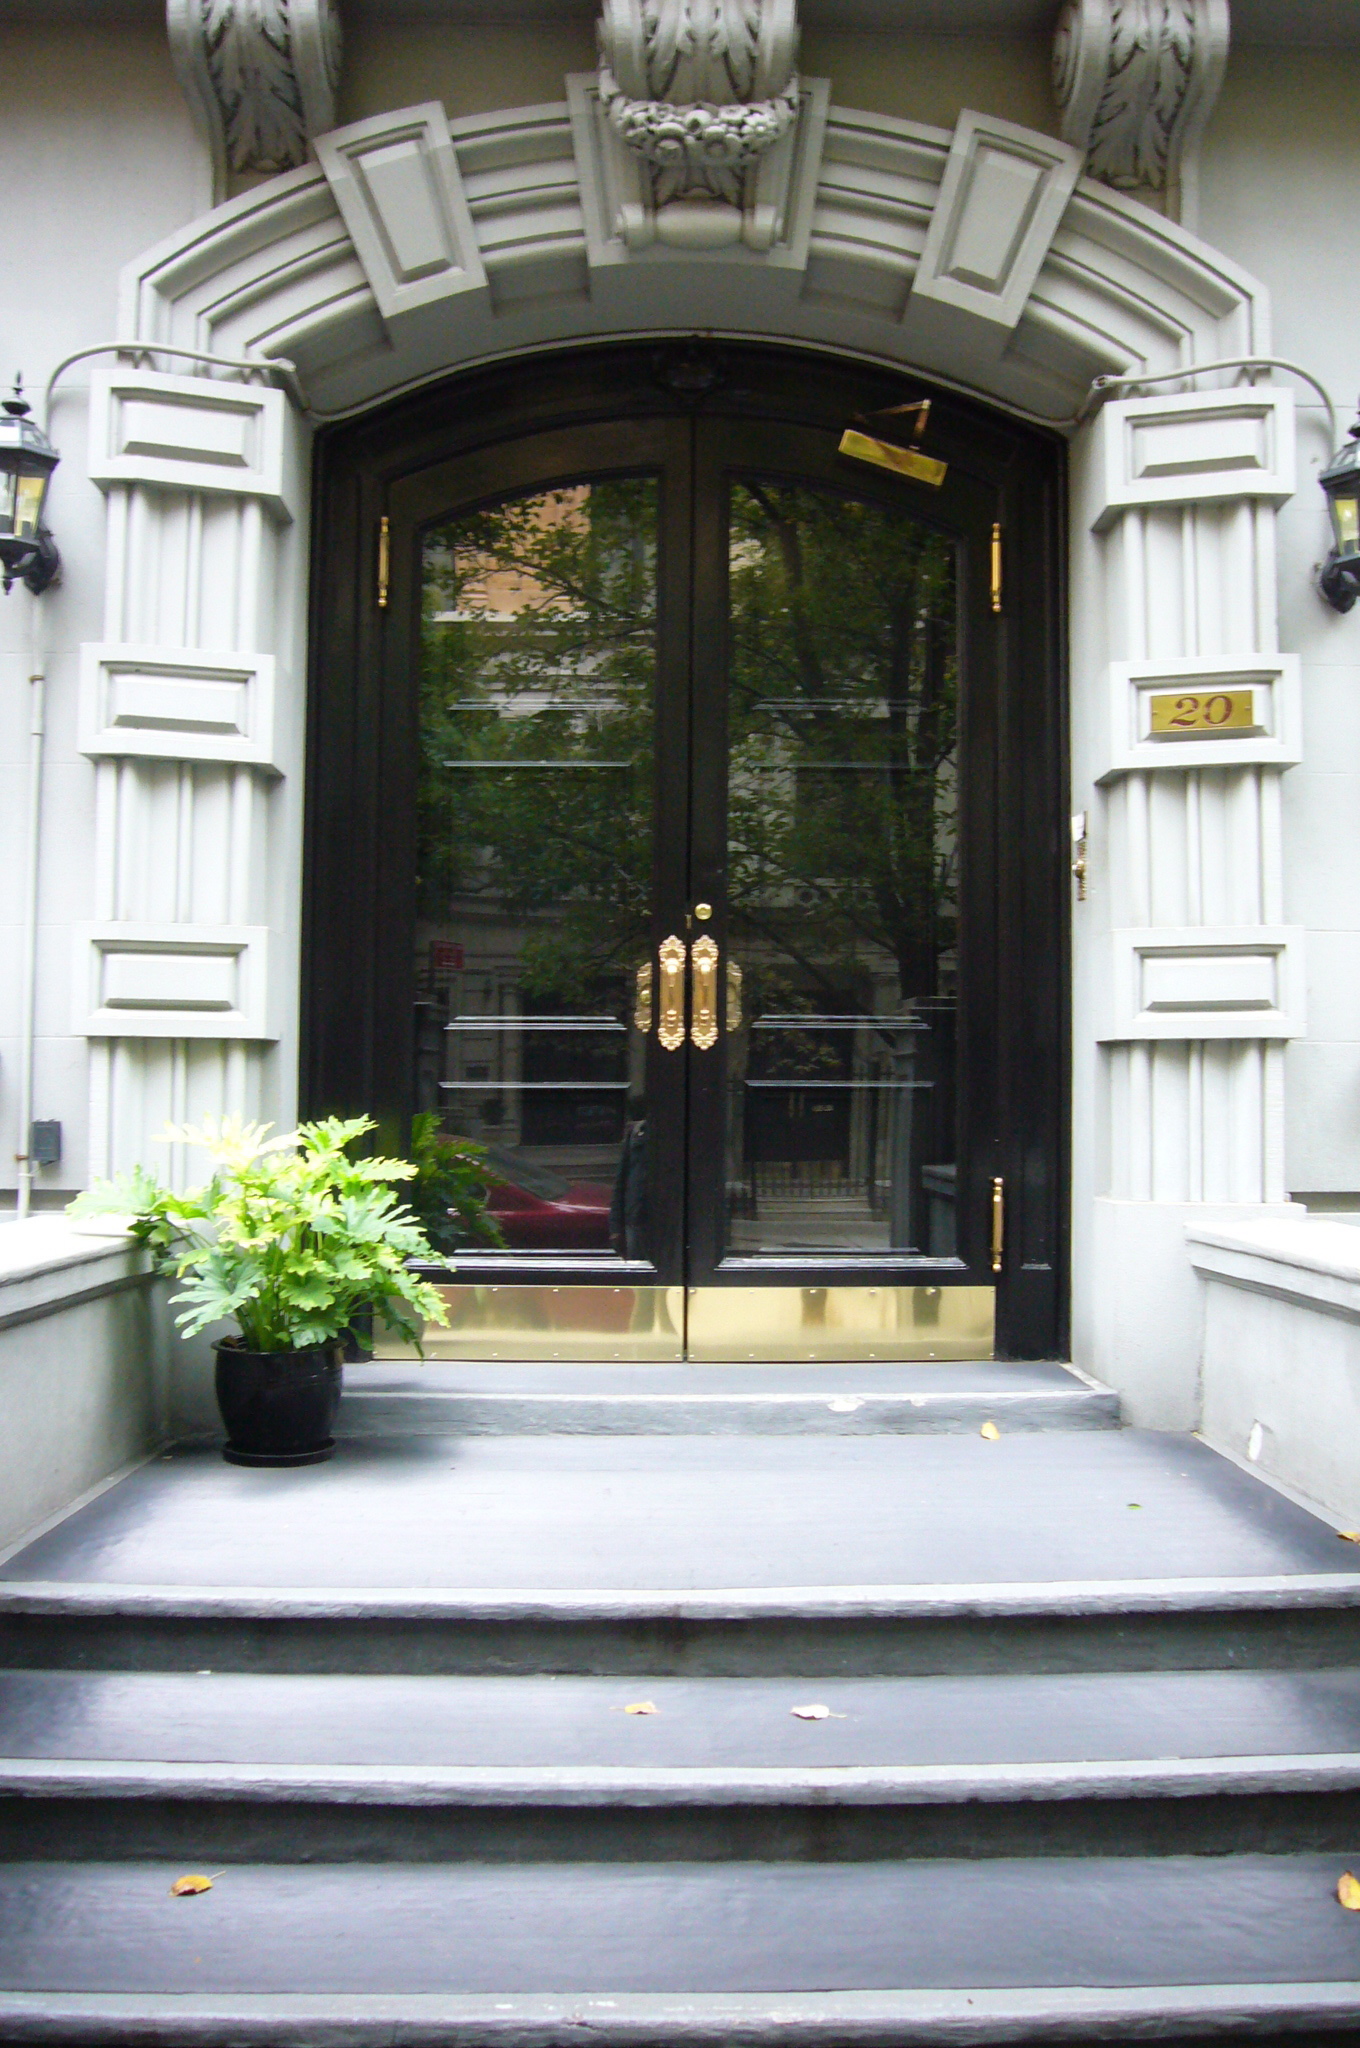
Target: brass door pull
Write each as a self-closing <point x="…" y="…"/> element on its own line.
<point x="642" y="1008"/>
<point x="733" y="996"/>
<point x="704" y="1030"/>
<point x="671" y="1030"/>
<point x="998" y="1223"/>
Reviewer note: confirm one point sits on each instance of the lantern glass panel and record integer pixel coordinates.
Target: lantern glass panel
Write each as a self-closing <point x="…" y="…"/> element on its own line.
<point x="28" y="506"/>
<point x="9" y="492"/>
<point x="1346" y="522"/>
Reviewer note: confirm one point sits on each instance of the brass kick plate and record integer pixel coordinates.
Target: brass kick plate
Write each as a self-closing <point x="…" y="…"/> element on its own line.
<point x="923" y="469"/>
<point x="511" y="1322"/>
<point x="851" y="1325"/>
<point x="709" y="1325"/>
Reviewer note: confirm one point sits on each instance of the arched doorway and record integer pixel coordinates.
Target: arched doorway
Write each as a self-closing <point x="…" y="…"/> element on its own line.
<point x="685" y="825"/>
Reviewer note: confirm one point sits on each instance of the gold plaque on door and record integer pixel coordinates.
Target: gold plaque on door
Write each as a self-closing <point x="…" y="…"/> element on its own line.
<point x="1203" y="715"/>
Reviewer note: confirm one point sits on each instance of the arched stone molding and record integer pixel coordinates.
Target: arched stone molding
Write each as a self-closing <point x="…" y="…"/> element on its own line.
<point x="979" y="255"/>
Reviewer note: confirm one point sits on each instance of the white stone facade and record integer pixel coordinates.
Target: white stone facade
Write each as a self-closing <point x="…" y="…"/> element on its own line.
<point x="1216" y="955"/>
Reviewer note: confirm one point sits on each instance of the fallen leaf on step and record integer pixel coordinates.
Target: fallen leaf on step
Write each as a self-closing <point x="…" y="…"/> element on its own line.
<point x="1348" y="1891"/>
<point x="1349" y="1535"/>
<point x="189" y="1887"/>
<point x="641" y="1707"/>
<point x="1135" y="1503"/>
<point x="990" y="1431"/>
<point x="816" y="1712"/>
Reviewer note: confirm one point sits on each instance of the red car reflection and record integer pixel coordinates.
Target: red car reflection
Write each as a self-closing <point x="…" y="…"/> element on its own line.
<point x="538" y="1210"/>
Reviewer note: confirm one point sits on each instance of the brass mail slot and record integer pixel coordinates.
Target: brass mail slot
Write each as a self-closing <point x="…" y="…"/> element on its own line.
<point x="923" y="469"/>
<point x="1204" y="715"/>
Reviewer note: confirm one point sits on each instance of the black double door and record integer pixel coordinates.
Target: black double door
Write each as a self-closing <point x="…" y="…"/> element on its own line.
<point x="686" y="824"/>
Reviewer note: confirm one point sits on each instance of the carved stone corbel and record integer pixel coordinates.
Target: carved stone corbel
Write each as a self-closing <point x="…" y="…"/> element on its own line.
<point x="696" y="94"/>
<point x="260" y="77"/>
<point x="1136" y="81"/>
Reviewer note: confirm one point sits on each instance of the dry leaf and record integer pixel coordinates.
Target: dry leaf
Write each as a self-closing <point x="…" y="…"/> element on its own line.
<point x="641" y="1707"/>
<point x="1348" y="1891"/>
<point x="1349" y="1535"/>
<point x="817" y="1712"/>
<point x="189" y="1887"/>
<point x="990" y="1431"/>
<point x="1135" y="1503"/>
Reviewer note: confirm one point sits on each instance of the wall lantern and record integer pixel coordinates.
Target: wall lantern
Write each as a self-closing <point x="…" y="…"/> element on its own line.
<point x="1339" y="578"/>
<point x="28" y="552"/>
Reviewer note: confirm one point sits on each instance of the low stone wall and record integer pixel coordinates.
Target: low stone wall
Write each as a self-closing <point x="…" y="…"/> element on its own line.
<point x="83" y="1366"/>
<point x="1281" y="1357"/>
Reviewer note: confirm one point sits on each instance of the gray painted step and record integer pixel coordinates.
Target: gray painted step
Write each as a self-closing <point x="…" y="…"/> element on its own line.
<point x="1282" y="1622"/>
<point x="764" y="1934"/>
<point x="680" y="1514"/>
<point x="456" y="1399"/>
<point x="259" y="1768"/>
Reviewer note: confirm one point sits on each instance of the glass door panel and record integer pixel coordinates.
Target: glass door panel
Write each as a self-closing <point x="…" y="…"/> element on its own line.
<point x="842" y="906"/>
<point x="537" y="688"/>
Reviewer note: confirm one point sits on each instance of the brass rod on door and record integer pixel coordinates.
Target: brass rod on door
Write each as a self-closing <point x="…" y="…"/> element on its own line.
<point x="671" y="1030"/>
<point x="996" y="567"/>
<point x="384" y="559"/>
<point x="704" y="1030"/>
<point x="998" y="1223"/>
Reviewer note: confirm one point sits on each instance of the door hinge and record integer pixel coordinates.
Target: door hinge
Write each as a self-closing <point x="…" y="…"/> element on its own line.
<point x="384" y="559"/>
<point x="997" y="567"/>
<point x="998" y="1223"/>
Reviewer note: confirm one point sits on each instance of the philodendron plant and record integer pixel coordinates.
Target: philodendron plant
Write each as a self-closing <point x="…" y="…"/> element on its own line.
<point x="291" y="1235"/>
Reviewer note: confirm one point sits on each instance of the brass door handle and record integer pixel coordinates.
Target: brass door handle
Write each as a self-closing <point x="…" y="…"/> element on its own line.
<point x="733" y="996"/>
<point x="671" y="1030"/>
<point x="642" y="1007"/>
<point x="704" y="1030"/>
<point x="998" y="1223"/>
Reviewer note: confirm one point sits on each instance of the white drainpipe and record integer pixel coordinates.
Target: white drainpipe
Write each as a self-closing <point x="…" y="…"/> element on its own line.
<point x="37" y="691"/>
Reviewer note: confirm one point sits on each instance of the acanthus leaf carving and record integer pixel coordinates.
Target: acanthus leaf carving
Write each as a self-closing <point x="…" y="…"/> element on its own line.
<point x="1135" y="82"/>
<point x="700" y="90"/>
<point x="260" y="76"/>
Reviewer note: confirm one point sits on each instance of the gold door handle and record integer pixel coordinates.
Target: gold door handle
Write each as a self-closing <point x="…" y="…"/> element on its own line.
<point x="704" y="1030"/>
<point x="671" y="1030"/>
<point x="733" y="996"/>
<point x="642" y="1007"/>
<point x="998" y="1223"/>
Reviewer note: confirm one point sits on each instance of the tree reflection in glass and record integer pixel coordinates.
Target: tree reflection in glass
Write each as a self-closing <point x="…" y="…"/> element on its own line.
<point x="843" y="893"/>
<point x="538" y="662"/>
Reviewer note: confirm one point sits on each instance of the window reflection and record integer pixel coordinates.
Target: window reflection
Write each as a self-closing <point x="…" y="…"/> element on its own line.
<point x="537" y="677"/>
<point x="843" y="724"/>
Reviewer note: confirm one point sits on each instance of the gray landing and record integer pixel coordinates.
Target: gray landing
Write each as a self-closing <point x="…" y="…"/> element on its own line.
<point x="444" y="1399"/>
<point x="1085" y="1762"/>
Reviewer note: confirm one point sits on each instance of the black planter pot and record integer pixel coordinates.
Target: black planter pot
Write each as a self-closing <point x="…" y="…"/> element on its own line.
<point x="279" y="1407"/>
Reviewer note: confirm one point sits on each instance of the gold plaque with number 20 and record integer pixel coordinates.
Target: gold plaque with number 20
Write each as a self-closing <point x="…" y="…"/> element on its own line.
<point x="1201" y="715"/>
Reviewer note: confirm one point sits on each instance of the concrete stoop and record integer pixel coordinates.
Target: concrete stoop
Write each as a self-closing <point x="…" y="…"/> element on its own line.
<point x="568" y="1705"/>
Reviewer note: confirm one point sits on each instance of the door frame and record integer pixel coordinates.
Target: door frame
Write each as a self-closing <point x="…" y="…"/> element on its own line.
<point x="350" y="1035"/>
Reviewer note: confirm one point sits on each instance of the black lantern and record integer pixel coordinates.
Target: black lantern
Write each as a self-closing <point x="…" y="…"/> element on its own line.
<point x="1339" y="579"/>
<point x="28" y="552"/>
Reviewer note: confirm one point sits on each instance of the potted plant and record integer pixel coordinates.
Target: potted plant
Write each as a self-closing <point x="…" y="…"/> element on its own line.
<point x="292" y="1236"/>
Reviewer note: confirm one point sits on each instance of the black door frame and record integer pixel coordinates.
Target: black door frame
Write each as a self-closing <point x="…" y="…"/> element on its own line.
<point x="360" y="830"/>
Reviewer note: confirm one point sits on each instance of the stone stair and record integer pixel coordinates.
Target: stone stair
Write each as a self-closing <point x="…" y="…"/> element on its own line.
<point x="1088" y="1766"/>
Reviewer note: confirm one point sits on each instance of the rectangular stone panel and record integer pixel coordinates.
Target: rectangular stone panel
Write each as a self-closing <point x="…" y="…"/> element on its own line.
<point x="176" y="704"/>
<point x="1195" y="446"/>
<point x="398" y="186"/>
<point x="190" y="433"/>
<point x="173" y="981"/>
<point x="1003" y="194"/>
<point x="1206" y="981"/>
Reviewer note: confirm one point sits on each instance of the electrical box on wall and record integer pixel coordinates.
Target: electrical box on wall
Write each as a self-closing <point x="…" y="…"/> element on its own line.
<point x="44" y="1144"/>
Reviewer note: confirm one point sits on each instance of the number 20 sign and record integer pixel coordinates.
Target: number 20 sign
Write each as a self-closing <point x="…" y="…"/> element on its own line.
<point x="1203" y="715"/>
